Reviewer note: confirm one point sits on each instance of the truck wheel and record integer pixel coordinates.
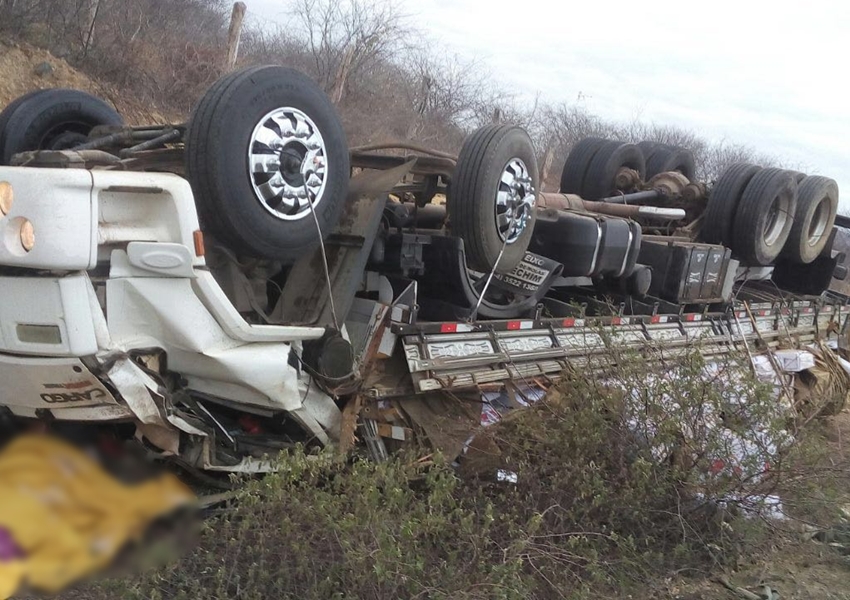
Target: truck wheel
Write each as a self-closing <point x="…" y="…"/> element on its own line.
<point x="496" y="304"/>
<point x="817" y="205"/>
<point x="56" y="119"/>
<point x="723" y="202"/>
<point x="648" y="148"/>
<point x="9" y="109"/>
<point x="493" y="195"/>
<point x="606" y="163"/>
<point x="798" y="176"/>
<point x="250" y="138"/>
<point x="575" y="169"/>
<point x="665" y="159"/>
<point x="764" y="216"/>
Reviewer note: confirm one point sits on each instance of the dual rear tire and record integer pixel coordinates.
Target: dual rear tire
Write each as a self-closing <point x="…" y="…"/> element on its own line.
<point x="592" y="165"/>
<point x="665" y="158"/>
<point x="817" y="206"/>
<point x="763" y="214"/>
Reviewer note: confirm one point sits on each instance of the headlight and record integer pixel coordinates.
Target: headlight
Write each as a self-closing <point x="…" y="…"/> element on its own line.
<point x="27" y="235"/>
<point x="6" y="197"/>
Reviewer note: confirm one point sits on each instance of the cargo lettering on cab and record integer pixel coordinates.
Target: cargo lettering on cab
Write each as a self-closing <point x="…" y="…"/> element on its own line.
<point x="72" y="393"/>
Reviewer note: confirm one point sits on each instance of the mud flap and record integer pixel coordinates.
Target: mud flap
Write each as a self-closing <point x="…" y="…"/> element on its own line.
<point x="454" y="294"/>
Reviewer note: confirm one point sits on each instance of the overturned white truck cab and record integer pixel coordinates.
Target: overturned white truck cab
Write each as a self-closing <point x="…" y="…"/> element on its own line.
<point x="218" y="291"/>
<point x="105" y="293"/>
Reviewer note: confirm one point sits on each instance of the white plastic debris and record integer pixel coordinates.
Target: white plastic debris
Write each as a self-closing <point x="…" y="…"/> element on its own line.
<point x="497" y="404"/>
<point x="507" y="476"/>
<point x="794" y="361"/>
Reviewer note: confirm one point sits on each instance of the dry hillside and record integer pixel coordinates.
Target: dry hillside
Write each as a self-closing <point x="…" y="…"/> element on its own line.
<point x="25" y="68"/>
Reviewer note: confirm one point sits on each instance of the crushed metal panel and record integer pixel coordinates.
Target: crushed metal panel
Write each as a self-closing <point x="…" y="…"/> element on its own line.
<point x="165" y="313"/>
<point x="136" y="387"/>
<point x="366" y="328"/>
<point x="322" y="408"/>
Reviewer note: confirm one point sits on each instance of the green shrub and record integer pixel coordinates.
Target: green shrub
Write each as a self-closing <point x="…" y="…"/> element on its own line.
<point x="617" y="483"/>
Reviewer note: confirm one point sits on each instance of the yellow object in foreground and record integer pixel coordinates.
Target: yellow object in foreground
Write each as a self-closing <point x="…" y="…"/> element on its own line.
<point x="67" y="516"/>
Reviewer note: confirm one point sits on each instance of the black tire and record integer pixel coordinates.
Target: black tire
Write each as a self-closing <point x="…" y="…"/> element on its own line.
<point x="817" y="205"/>
<point x="486" y="156"/>
<point x="223" y="133"/>
<point x="764" y="217"/>
<point x="666" y="158"/>
<point x="578" y="160"/>
<point x="648" y="148"/>
<point x="798" y="176"/>
<point x="723" y="203"/>
<point x="56" y="119"/>
<point x="10" y="108"/>
<point x="606" y="163"/>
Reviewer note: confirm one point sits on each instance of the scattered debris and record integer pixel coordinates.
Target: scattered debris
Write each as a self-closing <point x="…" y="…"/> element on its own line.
<point x="837" y="537"/>
<point x="821" y="389"/>
<point x="766" y="593"/>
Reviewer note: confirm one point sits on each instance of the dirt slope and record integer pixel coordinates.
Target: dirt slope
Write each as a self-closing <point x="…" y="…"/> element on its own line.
<point x="24" y="68"/>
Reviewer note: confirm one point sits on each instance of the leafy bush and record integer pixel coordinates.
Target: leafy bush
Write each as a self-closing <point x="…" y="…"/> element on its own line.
<point x="324" y="528"/>
<point x="618" y="480"/>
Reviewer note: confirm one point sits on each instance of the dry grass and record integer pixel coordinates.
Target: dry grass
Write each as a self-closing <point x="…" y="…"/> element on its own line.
<point x="18" y="63"/>
<point x="596" y="510"/>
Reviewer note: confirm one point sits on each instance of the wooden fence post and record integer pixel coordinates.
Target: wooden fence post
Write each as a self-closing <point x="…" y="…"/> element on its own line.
<point x="94" y="9"/>
<point x="234" y="35"/>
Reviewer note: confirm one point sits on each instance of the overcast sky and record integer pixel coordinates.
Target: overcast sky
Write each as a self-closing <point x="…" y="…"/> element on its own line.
<point x="773" y="75"/>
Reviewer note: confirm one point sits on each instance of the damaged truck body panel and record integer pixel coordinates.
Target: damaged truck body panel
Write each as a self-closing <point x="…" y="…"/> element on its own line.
<point x="73" y="335"/>
<point x="144" y="333"/>
<point x="225" y="290"/>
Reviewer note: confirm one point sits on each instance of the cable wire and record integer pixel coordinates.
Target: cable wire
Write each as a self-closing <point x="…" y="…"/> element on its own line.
<point x="306" y="170"/>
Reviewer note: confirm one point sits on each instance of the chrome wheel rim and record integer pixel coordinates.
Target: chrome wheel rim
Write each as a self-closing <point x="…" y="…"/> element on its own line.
<point x="777" y="217"/>
<point x="285" y="144"/>
<point x="515" y="201"/>
<point x="817" y="228"/>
